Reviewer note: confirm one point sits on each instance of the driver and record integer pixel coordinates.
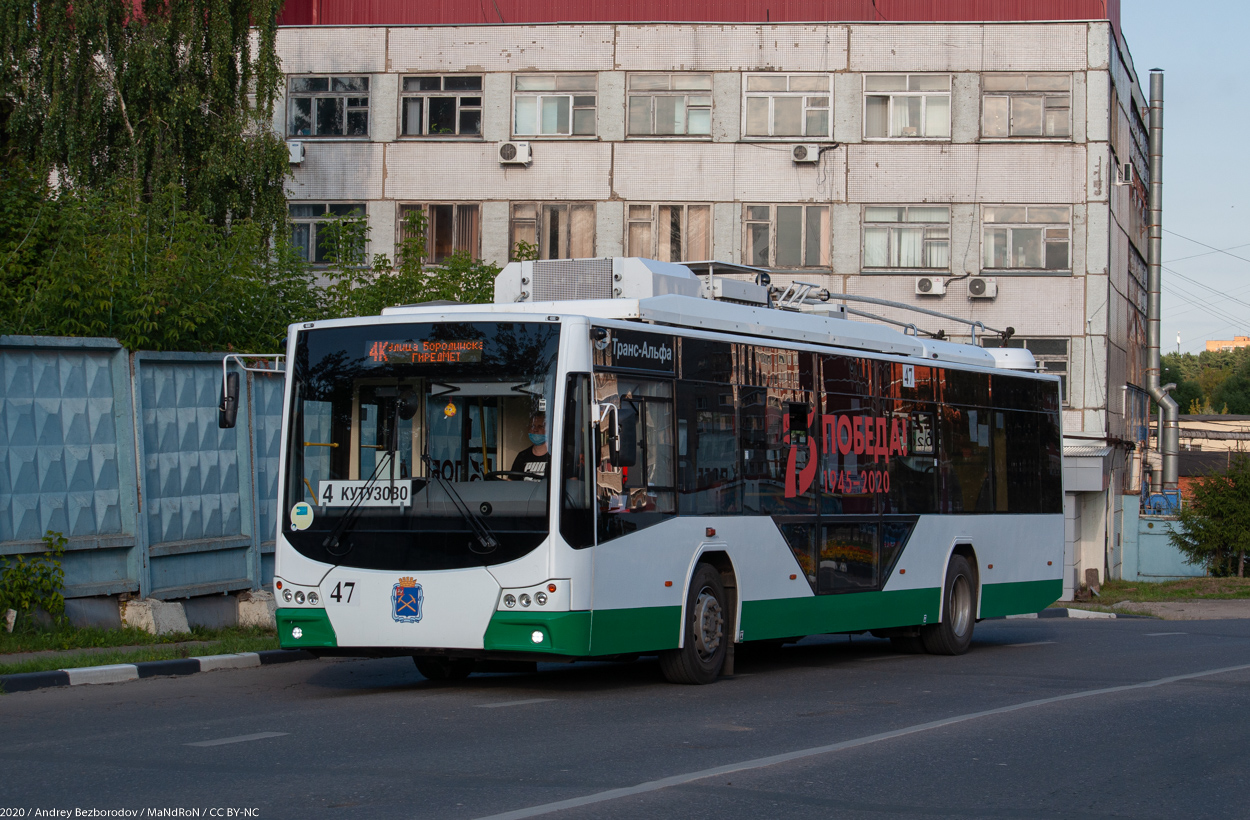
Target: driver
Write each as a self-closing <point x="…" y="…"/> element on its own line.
<point x="537" y="458"/>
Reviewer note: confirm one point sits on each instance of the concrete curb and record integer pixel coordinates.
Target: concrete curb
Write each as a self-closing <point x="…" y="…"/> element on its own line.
<point x="1074" y="613"/>
<point x="121" y="672"/>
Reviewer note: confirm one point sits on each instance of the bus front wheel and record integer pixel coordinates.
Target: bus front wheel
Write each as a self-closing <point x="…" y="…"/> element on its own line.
<point x="953" y="635"/>
<point x="702" y="655"/>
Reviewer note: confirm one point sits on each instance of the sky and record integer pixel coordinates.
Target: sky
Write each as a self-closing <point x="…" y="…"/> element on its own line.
<point x="1204" y="50"/>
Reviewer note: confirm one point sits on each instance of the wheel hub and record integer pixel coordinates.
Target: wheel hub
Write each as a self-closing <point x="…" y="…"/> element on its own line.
<point x="961" y="605"/>
<point x="709" y="622"/>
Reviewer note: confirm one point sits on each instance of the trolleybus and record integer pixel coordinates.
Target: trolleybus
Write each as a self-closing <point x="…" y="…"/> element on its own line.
<point x="622" y="457"/>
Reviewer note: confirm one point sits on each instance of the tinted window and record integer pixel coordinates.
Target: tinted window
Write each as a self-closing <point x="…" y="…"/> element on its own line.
<point x="964" y="464"/>
<point x="703" y="360"/>
<point x="707" y="450"/>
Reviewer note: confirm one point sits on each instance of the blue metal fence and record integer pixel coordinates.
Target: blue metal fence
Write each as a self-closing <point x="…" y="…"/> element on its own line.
<point x="121" y="453"/>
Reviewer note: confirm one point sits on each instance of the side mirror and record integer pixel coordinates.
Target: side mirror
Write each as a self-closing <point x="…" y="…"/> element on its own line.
<point x="228" y="410"/>
<point x="627" y="435"/>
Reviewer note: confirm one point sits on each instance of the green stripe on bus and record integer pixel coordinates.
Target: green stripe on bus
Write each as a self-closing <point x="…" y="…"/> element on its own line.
<point x="847" y="612"/>
<point x="651" y="628"/>
<point x="603" y="632"/>
<point x="1019" y="598"/>
<point x="562" y="633"/>
<point x="313" y="625"/>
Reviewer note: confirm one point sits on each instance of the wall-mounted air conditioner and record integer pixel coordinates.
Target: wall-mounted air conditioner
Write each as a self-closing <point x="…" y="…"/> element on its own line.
<point x="295" y="152"/>
<point x="807" y="152"/>
<point x="930" y="286"/>
<point x="980" y="287"/>
<point x="514" y="153"/>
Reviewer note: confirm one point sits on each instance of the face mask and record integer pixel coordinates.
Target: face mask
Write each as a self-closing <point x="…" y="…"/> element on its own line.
<point x="537" y="438"/>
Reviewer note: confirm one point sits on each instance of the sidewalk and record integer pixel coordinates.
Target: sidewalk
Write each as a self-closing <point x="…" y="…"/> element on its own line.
<point x="1196" y="610"/>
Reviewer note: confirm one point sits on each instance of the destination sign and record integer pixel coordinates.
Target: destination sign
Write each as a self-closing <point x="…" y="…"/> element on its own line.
<point x="638" y="351"/>
<point x="425" y="351"/>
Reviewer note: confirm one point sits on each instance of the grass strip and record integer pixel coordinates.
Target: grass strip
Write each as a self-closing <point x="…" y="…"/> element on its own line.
<point x="227" y="646"/>
<point x="1188" y="589"/>
<point x="68" y="637"/>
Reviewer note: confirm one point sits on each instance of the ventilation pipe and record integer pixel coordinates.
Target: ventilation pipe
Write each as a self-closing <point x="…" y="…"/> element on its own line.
<point x="1169" y="432"/>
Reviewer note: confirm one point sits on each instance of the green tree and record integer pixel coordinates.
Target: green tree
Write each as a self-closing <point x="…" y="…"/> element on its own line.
<point x="359" y="286"/>
<point x="1187" y="390"/>
<point x="151" y="274"/>
<point x="155" y="93"/>
<point x="1213" y="529"/>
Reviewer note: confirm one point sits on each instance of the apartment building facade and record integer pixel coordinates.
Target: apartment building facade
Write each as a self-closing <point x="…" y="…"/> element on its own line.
<point x="989" y="170"/>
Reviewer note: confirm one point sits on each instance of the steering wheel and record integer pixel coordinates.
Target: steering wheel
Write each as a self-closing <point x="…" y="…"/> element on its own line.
<point x="498" y="475"/>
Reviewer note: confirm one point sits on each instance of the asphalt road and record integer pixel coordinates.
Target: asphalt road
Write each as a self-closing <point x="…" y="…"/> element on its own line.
<point x="1042" y="718"/>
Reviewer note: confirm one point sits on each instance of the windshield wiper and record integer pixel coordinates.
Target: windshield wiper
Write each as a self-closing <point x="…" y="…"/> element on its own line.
<point x="349" y="516"/>
<point x="482" y="532"/>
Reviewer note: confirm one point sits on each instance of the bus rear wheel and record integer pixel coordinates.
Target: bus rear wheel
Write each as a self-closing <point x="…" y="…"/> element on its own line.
<point x="443" y="669"/>
<point x="702" y="655"/>
<point x="953" y="635"/>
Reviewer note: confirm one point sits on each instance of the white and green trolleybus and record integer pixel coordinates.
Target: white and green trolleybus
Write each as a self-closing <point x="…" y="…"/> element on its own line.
<point x="622" y="457"/>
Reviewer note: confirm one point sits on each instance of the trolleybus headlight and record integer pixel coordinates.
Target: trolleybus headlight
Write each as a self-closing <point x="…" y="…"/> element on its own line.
<point x="541" y="598"/>
<point x="525" y="599"/>
<point x="312" y="598"/>
<point x="509" y="601"/>
<point x="286" y="596"/>
<point x="299" y="597"/>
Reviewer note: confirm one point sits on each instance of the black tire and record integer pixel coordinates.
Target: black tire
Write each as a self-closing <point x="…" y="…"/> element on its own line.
<point x="907" y="644"/>
<point x="953" y="635"/>
<point x="443" y="669"/>
<point x="706" y="637"/>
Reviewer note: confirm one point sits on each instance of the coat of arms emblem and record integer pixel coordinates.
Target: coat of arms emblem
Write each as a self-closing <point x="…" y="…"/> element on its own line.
<point x="406" y="600"/>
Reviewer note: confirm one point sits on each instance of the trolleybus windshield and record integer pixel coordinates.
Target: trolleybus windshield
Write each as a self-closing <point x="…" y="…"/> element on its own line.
<point x="420" y="446"/>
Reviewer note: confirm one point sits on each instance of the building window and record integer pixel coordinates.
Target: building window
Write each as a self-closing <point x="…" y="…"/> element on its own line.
<point x="1051" y="356"/>
<point x="329" y="107"/>
<point x="560" y="230"/>
<point x="787" y="236"/>
<point x="1025" y="238"/>
<point x="449" y="228"/>
<point x="907" y="106"/>
<point x="670" y="233"/>
<point x="1026" y="105"/>
<point x="306" y="223"/>
<point x="670" y="105"/>
<point x="446" y="106"/>
<point x="787" y="105"/>
<point x="554" y="105"/>
<point x="913" y="236"/>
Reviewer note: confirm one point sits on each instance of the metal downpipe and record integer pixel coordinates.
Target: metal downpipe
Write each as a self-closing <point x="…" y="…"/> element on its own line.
<point x="1169" y="433"/>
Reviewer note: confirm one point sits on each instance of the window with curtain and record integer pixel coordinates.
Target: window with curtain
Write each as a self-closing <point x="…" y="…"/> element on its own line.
<point x="670" y="233"/>
<point x="445" y="106"/>
<point x="1026" y="105"/>
<point x="670" y="105"/>
<point x="786" y="236"/>
<point x="450" y="227"/>
<point x="787" y="105"/>
<point x="909" y="236"/>
<point x="554" y="105"/>
<point x="907" y="106"/>
<point x="1026" y="238"/>
<point x="561" y="230"/>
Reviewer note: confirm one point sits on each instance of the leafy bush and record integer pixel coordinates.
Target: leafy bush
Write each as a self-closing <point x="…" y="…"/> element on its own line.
<point x="1214" y="528"/>
<point x="28" y="582"/>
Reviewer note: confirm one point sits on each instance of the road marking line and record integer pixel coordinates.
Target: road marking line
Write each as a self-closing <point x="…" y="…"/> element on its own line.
<point x="512" y="703"/>
<point x="1033" y="643"/>
<point x="240" y="739"/>
<point x="761" y="762"/>
<point x="1160" y="634"/>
